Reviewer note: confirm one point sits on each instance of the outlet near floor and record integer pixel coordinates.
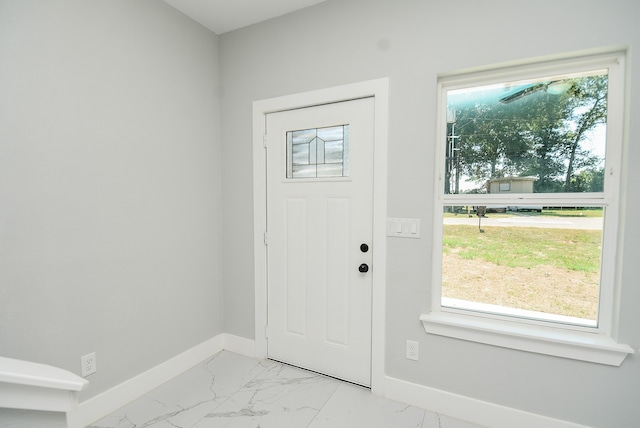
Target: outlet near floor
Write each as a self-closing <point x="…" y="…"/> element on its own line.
<point x="88" y="364"/>
<point x="412" y="350"/>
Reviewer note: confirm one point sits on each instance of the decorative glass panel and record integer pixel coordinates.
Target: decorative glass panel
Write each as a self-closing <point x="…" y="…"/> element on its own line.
<point x="304" y="171"/>
<point x="301" y="154"/>
<point x="334" y="151"/>
<point x="318" y="152"/>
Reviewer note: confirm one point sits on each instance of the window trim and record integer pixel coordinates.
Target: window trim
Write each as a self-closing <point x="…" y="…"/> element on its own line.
<point x="593" y="344"/>
<point x="559" y="342"/>
<point x="504" y="187"/>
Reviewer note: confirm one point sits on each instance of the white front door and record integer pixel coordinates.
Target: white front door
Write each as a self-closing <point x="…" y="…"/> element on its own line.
<point x="319" y="234"/>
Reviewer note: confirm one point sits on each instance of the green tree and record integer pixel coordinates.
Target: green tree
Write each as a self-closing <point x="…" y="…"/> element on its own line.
<point x="588" y="180"/>
<point x="589" y="111"/>
<point x="537" y="134"/>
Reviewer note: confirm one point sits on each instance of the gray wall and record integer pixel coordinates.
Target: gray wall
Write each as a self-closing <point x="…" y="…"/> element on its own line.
<point x="411" y="41"/>
<point x="110" y="186"/>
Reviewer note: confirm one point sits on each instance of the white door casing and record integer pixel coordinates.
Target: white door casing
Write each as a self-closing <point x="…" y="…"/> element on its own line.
<point x="319" y="300"/>
<point x="378" y="89"/>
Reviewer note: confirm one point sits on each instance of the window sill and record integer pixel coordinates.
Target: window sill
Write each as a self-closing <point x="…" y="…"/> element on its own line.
<point x="577" y="345"/>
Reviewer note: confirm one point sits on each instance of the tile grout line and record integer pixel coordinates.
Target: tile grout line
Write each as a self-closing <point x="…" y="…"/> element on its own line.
<point x="325" y="403"/>
<point x="233" y="393"/>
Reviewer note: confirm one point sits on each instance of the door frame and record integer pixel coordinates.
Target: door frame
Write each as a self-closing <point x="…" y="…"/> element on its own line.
<point x="379" y="90"/>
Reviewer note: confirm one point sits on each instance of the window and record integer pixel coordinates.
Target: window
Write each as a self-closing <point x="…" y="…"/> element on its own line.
<point x="527" y="212"/>
<point x="318" y="152"/>
<point x="505" y="187"/>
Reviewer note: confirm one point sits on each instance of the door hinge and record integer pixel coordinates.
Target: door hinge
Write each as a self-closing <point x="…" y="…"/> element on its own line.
<point x="264" y="140"/>
<point x="266" y="239"/>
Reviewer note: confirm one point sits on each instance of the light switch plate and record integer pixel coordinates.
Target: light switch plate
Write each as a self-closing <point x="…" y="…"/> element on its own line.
<point x="403" y="227"/>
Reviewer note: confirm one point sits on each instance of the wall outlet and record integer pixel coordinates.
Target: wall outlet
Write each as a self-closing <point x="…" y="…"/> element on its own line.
<point x="88" y="364"/>
<point x="412" y="350"/>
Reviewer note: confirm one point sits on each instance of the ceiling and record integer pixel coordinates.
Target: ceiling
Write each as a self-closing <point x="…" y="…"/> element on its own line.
<point x="221" y="16"/>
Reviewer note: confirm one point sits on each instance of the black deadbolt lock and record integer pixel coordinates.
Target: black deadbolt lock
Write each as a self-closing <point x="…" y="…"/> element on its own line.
<point x="364" y="248"/>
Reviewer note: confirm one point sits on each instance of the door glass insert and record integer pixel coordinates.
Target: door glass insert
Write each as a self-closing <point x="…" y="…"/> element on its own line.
<point x="318" y="152"/>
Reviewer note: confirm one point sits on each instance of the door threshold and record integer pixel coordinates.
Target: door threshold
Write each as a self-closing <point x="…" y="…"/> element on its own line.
<point x="321" y="374"/>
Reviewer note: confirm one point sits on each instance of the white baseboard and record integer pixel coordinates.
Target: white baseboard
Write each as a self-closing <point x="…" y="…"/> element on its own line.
<point x="468" y="409"/>
<point x="109" y="401"/>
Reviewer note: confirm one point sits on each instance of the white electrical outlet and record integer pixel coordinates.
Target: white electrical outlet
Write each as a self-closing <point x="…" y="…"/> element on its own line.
<point x="412" y="350"/>
<point x="88" y="364"/>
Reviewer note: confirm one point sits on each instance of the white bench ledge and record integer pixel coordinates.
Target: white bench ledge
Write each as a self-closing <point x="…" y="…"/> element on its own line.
<point x="595" y="348"/>
<point x="35" y="386"/>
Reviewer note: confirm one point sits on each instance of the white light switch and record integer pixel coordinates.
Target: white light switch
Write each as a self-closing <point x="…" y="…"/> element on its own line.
<point x="403" y="227"/>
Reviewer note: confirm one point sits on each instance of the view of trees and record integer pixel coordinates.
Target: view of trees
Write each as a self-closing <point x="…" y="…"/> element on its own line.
<point x="536" y="130"/>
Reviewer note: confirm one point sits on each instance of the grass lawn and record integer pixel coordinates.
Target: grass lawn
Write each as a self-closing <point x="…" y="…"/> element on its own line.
<point x="573" y="249"/>
<point x="542" y="269"/>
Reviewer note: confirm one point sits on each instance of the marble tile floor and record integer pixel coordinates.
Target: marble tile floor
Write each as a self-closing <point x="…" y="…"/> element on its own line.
<point x="231" y="390"/>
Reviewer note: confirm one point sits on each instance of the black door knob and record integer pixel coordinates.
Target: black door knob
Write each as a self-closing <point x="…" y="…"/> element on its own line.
<point x="364" y="248"/>
<point x="363" y="268"/>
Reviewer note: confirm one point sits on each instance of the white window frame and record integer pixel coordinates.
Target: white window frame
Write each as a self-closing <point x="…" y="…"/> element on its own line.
<point x="596" y="343"/>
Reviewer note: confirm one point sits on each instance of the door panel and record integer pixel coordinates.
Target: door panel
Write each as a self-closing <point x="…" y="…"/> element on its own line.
<point x="296" y="263"/>
<point x="337" y="285"/>
<point x="319" y="212"/>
